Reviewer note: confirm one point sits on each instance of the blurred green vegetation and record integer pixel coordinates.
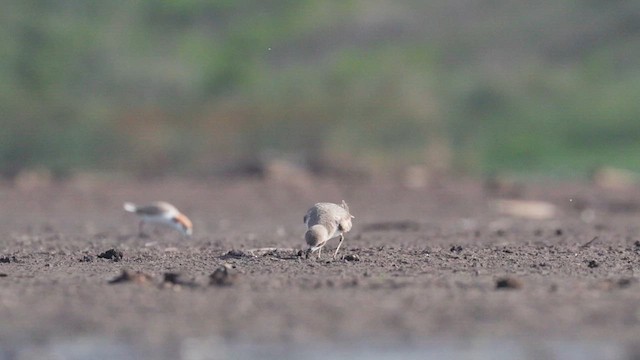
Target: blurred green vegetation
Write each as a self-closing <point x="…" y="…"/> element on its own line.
<point x="193" y="86"/>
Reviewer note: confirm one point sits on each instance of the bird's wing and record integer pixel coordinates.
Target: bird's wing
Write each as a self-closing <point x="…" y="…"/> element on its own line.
<point x="150" y="210"/>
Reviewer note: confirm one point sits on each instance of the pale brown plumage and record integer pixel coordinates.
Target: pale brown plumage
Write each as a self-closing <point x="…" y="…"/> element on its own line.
<point x="325" y="221"/>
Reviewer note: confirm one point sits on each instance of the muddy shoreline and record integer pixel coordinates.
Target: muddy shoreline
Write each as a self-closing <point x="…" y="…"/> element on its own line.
<point x="429" y="264"/>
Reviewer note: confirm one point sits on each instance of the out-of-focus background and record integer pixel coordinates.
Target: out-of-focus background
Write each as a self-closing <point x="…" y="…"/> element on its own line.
<point x="199" y="87"/>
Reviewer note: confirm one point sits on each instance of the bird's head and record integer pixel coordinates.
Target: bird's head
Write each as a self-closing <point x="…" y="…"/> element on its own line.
<point x="183" y="224"/>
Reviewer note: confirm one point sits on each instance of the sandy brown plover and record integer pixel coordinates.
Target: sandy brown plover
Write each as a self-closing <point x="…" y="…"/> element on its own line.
<point x="161" y="213"/>
<point x="324" y="222"/>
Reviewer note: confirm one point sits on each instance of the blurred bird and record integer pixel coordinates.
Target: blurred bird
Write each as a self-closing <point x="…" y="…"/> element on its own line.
<point x="161" y="213"/>
<point x="325" y="221"/>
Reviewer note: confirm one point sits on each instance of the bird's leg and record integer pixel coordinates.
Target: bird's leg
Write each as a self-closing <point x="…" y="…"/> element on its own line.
<point x="338" y="248"/>
<point x="319" y="248"/>
<point x="141" y="229"/>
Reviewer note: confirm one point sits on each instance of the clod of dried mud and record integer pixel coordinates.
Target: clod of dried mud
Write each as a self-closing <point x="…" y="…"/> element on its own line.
<point x="171" y="279"/>
<point x="508" y="283"/>
<point x="352" y="257"/>
<point x="224" y="275"/>
<point x="112" y="254"/>
<point x="137" y="277"/>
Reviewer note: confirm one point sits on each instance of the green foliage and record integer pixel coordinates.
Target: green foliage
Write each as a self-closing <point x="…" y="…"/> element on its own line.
<point x="165" y="86"/>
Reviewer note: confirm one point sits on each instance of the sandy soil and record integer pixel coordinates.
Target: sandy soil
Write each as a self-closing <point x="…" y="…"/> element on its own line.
<point x="423" y="266"/>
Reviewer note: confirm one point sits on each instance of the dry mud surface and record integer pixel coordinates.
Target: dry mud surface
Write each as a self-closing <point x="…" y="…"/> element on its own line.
<point x="437" y="265"/>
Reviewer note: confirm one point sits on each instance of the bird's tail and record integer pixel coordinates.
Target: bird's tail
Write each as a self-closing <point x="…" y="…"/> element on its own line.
<point x="130" y="207"/>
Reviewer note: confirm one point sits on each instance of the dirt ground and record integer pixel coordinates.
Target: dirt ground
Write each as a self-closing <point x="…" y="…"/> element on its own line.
<point x="426" y="265"/>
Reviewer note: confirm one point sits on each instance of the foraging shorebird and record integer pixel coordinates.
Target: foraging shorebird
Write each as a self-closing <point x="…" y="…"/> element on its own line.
<point x="324" y="222"/>
<point x="161" y="213"/>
